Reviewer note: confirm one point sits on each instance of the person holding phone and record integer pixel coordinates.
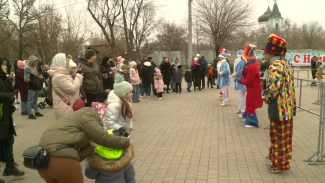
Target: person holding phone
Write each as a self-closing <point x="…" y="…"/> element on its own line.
<point x="64" y="86"/>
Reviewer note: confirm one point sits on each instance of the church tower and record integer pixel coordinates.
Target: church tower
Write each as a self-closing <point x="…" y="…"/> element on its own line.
<point x="271" y="21"/>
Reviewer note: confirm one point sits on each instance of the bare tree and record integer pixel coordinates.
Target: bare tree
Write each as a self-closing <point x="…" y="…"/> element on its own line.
<point x="144" y="26"/>
<point x="47" y="33"/>
<point x="171" y="37"/>
<point x="311" y="33"/>
<point x="106" y="14"/>
<point x="25" y="14"/>
<point x="73" y="33"/>
<point x="5" y="31"/>
<point x="222" y="18"/>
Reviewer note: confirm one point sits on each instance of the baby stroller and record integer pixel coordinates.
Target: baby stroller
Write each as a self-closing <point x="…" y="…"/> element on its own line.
<point x="43" y="94"/>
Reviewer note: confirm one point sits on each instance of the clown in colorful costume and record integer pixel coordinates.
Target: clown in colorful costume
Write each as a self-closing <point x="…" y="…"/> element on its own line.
<point x="251" y="79"/>
<point x="280" y="96"/>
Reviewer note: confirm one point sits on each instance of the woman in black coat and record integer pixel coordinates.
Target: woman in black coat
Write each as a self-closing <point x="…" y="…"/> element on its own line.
<point x="166" y="71"/>
<point x="196" y="74"/>
<point x="7" y="130"/>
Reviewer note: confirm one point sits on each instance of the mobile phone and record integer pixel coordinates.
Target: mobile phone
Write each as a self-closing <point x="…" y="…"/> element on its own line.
<point x="126" y="134"/>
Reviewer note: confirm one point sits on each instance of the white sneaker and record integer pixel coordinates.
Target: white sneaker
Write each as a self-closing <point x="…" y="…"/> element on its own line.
<point x="160" y="98"/>
<point x="228" y="100"/>
<point x="248" y="126"/>
<point x="148" y="96"/>
<point x="141" y="96"/>
<point x="223" y="104"/>
<point x="14" y="125"/>
<point x="240" y="116"/>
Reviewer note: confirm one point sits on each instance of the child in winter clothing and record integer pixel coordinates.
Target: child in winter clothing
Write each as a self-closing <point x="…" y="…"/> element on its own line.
<point x="101" y="104"/>
<point x="320" y="73"/>
<point x="178" y="79"/>
<point x="119" y="110"/>
<point x="135" y="81"/>
<point x="110" y="165"/>
<point x="159" y="84"/>
<point x="210" y="76"/>
<point x="188" y="78"/>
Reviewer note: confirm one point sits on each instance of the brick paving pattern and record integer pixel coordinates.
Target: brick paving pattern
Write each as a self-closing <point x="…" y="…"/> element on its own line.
<point x="189" y="137"/>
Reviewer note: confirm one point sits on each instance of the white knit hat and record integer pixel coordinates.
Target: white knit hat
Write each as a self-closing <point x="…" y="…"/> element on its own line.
<point x="132" y="63"/>
<point x="121" y="87"/>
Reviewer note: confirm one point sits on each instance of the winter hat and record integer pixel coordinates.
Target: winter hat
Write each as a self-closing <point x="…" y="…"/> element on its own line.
<point x="209" y="65"/>
<point x="121" y="87"/>
<point x="239" y="53"/>
<point x="222" y="55"/>
<point x="89" y="53"/>
<point x="21" y="64"/>
<point x="249" y="52"/>
<point x="124" y="67"/>
<point x="148" y="64"/>
<point x="198" y="55"/>
<point x="72" y="64"/>
<point x="132" y="63"/>
<point x="101" y="96"/>
<point x="276" y="45"/>
<point x="119" y="59"/>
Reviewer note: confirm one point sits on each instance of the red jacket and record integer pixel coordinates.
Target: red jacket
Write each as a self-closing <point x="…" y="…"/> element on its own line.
<point x="210" y="73"/>
<point x="251" y="79"/>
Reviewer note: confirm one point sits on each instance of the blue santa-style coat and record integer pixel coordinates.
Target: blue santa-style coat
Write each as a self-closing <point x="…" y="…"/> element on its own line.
<point x="239" y="67"/>
<point x="224" y="78"/>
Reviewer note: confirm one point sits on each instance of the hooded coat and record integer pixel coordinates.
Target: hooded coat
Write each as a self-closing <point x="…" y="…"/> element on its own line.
<point x="6" y="106"/>
<point x="159" y="83"/>
<point x="31" y="76"/>
<point x="78" y="129"/>
<point x="134" y="77"/>
<point x="166" y="71"/>
<point x="107" y="171"/>
<point x="147" y="73"/>
<point x="64" y="84"/>
<point x="224" y="78"/>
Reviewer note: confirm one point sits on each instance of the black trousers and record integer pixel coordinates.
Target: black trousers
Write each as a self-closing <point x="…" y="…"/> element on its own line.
<point x="210" y="81"/>
<point x="203" y="82"/>
<point x="154" y="91"/>
<point x="178" y="87"/>
<point x="6" y="149"/>
<point x="160" y="95"/>
<point x="90" y="99"/>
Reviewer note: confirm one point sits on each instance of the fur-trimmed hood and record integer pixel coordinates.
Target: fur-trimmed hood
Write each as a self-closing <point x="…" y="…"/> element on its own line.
<point x="100" y="163"/>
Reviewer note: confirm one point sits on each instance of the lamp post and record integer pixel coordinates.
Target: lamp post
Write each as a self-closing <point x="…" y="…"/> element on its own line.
<point x="189" y="31"/>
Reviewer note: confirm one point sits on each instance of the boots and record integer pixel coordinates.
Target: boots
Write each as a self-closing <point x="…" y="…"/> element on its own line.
<point x="12" y="170"/>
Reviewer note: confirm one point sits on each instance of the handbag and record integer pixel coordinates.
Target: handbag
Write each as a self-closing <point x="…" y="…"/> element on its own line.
<point x="78" y="104"/>
<point x="38" y="158"/>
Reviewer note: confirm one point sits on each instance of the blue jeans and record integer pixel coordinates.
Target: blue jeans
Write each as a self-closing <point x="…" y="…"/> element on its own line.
<point x="32" y="101"/>
<point x="146" y="89"/>
<point x="23" y="105"/>
<point x="189" y="85"/>
<point x="136" y="93"/>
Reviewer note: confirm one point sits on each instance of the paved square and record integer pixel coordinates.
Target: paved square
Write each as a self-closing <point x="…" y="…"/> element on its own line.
<point x="189" y="137"/>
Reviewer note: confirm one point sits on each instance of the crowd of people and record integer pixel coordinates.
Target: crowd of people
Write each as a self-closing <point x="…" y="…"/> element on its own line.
<point x="93" y="105"/>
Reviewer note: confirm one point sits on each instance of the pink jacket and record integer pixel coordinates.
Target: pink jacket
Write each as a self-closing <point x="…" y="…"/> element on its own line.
<point x="100" y="108"/>
<point x="134" y="77"/>
<point x="159" y="84"/>
<point x="67" y="87"/>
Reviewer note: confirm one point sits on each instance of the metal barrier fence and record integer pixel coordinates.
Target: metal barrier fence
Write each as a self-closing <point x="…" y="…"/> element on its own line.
<point x="297" y="72"/>
<point x="319" y="156"/>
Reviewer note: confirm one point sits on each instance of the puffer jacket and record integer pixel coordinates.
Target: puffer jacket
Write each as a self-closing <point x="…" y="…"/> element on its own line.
<point x="92" y="78"/>
<point x="159" y="84"/>
<point x="67" y="87"/>
<point x="78" y="129"/>
<point x="113" y="118"/>
<point x="134" y="77"/>
<point x="107" y="171"/>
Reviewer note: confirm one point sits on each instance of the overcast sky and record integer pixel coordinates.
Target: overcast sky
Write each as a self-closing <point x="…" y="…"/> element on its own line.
<point x="299" y="11"/>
